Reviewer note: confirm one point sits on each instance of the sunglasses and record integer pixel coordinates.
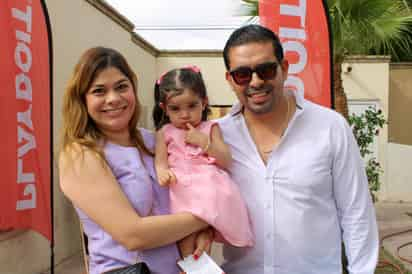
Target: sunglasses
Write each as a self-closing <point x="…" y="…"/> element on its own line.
<point x="243" y="75"/>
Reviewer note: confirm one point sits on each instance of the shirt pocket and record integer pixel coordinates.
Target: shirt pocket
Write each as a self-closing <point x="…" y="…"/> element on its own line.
<point x="313" y="176"/>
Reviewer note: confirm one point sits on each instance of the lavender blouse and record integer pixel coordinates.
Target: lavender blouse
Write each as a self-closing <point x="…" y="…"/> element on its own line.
<point x="138" y="182"/>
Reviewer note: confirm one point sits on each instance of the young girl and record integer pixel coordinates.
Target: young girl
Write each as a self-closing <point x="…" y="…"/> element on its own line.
<point x="191" y="156"/>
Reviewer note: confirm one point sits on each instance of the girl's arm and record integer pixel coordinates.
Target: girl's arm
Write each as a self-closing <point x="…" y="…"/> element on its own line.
<point x="164" y="175"/>
<point x="92" y="187"/>
<point x="218" y="149"/>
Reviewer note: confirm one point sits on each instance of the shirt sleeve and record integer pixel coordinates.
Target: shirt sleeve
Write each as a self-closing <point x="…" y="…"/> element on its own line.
<point x="354" y="204"/>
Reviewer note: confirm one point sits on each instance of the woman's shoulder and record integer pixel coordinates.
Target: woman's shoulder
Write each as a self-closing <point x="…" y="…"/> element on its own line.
<point x="148" y="138"/>
<point x="78" y="159"/>
<point x="146" y="133"/>
<point x="78" y="154"/>
<point x="75" y="151"/>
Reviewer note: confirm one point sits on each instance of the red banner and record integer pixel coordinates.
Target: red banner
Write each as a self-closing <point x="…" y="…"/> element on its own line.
<point x="302" y="26"/>
<point x="25" y="139"/>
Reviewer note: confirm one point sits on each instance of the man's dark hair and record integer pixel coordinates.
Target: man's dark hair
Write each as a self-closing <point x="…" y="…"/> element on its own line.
<point x="252" y="34"/>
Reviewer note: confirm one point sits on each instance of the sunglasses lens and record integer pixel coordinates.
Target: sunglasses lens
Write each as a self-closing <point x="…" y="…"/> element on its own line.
<point x="267" y="71"/>
<point x="242" y="76"/>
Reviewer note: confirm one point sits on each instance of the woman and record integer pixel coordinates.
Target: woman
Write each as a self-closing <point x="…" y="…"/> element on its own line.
<point x="106" y="170"/>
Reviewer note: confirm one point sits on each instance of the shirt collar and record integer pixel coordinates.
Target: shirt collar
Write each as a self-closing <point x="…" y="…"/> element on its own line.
<point x="236" y="109"/>
<point x="300" y="100"/>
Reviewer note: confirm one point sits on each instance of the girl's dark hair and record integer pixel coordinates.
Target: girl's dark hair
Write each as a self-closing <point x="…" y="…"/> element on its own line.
<point x="173" y="83"/>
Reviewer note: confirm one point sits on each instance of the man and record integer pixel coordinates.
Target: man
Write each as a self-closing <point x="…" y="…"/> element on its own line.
<point x="298" y="167"/>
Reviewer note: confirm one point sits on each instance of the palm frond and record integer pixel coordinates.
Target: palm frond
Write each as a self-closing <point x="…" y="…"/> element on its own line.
<point x="249" y="8"/>
<point x="362" y="26"/>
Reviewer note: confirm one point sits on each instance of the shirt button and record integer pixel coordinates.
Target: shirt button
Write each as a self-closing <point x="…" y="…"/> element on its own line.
<point x="267" y="206"/>
<point x="268" y="235"/>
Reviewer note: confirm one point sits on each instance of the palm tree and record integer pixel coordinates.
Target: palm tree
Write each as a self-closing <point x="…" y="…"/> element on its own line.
<point x="364" y="25"/>
<point x="404" y="55"/>
<point x="359" y="27"/>
<point x="250" y="7"/>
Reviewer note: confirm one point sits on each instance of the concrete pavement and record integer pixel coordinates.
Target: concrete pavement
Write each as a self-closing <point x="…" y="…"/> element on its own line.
<point x="393" y="220"/>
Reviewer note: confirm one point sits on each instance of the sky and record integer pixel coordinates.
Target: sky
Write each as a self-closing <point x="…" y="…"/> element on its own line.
<point x="182" y="24"/>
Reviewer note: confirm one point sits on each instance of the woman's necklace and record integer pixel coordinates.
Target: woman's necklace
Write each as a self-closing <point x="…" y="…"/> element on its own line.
<point x="285" y="125"/>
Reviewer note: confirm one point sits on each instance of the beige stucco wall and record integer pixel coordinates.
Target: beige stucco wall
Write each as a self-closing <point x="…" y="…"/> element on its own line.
<point x="76" y="26"/>
<point x="400" y="133"/>
<point x="399" y="173"/>
<point x="400" y="101"/>
<point x="369" y="80"/>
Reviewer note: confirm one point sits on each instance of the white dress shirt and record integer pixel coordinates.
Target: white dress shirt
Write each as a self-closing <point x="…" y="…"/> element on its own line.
<point x="312" y="194"/>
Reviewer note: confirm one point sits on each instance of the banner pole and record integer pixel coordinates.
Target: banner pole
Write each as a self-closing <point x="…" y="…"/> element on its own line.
<point x="49" y="33"/>
<point x="332" y="82"/>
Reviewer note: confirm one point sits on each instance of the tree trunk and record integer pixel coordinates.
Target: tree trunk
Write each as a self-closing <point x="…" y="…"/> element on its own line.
<point x="339" y="96"/>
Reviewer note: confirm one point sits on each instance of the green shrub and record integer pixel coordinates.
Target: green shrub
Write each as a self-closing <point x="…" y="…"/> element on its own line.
<point x="365" y="127"/>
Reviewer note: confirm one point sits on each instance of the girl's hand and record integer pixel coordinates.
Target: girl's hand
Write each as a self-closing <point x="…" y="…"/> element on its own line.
<point x="196" y="137"/>
<point x="203" y="242"/>
<point x="166" y="177"/>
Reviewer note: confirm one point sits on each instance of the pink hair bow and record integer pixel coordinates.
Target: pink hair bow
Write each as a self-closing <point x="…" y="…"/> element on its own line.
<point x="193" y="68"/>
<point x="158" y="81"/>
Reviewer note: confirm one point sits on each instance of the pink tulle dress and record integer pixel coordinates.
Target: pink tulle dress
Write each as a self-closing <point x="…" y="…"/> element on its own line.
<point x="206" y="190"/>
